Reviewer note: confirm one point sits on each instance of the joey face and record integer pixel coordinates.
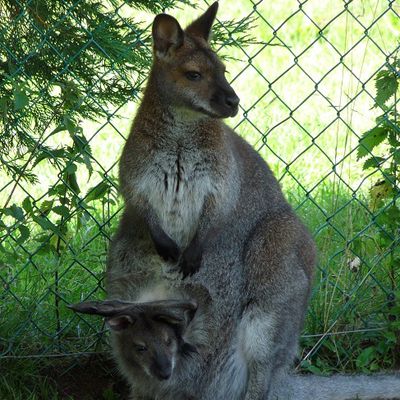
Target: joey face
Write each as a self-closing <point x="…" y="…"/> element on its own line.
<point x="147" y="335"/>
<point x="153" y="346"/>
<point x="190" y="75"/>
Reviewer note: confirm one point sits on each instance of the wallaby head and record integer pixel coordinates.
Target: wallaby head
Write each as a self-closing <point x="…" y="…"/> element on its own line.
<point x="189" y="75"/>
<point x="150" y="334"/>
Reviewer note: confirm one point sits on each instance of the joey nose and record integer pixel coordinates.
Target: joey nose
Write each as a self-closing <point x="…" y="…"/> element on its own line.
<point x="162" y="368"/>
<point x="164" y="375"/>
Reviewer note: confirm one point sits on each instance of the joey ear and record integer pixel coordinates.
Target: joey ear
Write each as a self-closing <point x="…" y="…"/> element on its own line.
<point x="187" y="348"/>
<point x="119" y="314"/>
<point x="201" y="27"/>
<point x="178" y="313"/>
<point x="107" y="308"/>
<point x="169" y="319"/>
<point x="167" y="34"/>
<point x="120" y="322"/>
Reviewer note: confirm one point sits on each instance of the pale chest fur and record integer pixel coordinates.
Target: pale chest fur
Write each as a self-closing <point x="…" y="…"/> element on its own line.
<point x="176" y="185"/>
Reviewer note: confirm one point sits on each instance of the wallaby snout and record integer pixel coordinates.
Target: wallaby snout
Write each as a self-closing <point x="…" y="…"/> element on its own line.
<point x="225" y="101"/>
<point x="162" y="367"/>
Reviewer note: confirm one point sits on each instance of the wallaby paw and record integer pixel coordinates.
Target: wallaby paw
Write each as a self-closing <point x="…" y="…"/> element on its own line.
<point x="167" y="249"/>
<point x="190" y="261"/>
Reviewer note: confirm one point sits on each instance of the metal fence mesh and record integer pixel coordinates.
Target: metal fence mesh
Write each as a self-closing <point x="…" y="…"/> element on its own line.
<point x="306" y="82"/>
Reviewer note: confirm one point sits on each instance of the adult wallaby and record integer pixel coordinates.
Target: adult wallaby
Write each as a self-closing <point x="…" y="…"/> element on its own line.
<point x="205" y="219"/>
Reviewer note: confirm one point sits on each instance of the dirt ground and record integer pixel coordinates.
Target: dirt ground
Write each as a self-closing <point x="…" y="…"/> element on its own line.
<point x="94" y="378"/>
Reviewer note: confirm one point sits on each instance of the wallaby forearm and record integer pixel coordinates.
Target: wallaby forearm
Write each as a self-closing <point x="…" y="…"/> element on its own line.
<point x="209" y="225"/>
<point x="165" y="246"/>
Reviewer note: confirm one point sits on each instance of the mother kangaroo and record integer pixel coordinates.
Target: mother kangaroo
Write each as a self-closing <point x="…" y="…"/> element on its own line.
<point x="205" y="222"/>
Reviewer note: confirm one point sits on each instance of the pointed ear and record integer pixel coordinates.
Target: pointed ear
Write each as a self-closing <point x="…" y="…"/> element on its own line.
<point x="187" y="349"/>
<point x="120" y="322"/>
<point x="167" y="34"/>
<point x="107" y="308"/>
<point x="177" y="313"/>
<point x="201" y="27"/>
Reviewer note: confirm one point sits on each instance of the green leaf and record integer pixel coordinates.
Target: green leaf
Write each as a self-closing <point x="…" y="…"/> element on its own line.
<point x="62" y="210"/>
<point x="97" y="191"/>
<point x="380" y="191"/>
<point x="46" y="206"/>
<point x="70" y="169"/>
<point x="24" y="234"/>
<point x="47" y="225"/>
<point x="27" y="205"/>
<point x="386" y="86"/>
<point x="366" y="357"/>
<point x="15" y="212"/>
<point x="88" y="163"/>
<point x="70" y="124"/>
<point x="393" y="138"/>
<point x="371" y="139"/>
<point x="373" y="162"/>
<point x="21" y="99"/>
<point x="396" y="156"/>
<point x="310" y="367"/>
<point x="394" y="215"/>
<point x="57" y="129"/>
<point x="73" y="182"/>
<point x="50" y="154"/>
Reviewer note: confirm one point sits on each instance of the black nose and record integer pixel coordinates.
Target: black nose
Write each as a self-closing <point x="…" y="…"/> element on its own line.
<point x="164" y="375"/>
<point x="162" y="368"/>
<point x="232" y="101"/>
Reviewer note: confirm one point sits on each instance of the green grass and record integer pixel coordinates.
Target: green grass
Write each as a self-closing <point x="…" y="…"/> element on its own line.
<point x="297" y="130"/>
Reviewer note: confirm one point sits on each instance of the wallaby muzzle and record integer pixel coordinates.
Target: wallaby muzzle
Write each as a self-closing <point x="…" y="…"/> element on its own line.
<point x="225" y="101"/>
<point x="161" y="368"/>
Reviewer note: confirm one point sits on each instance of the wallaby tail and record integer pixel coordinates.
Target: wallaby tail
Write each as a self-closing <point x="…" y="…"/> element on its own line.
<point x="341" y="387"/>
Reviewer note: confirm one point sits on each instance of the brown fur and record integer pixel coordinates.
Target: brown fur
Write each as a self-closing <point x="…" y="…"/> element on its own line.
<point x="199" y="200"/>
<point x="202" y="205"/>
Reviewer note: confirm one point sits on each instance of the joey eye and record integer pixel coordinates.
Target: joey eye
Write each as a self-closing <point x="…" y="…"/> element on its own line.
<point x="140" y="349"/>
<point x="193" y="75"/>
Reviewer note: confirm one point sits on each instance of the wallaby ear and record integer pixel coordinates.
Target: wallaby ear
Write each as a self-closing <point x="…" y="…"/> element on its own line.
<point x="120" y="322"/>
<point x="111" y="309"/>
<point x="107" y="308"/>
<point x="201" y="27"/>
<point x="187" y="349"/>
<point x="176" y="313"/>
<point x="167" y="34"/>
<point x="169" y="318"/>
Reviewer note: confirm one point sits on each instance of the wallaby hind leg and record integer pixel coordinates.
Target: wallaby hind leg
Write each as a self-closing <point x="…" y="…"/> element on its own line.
<point x="279" y="257"/>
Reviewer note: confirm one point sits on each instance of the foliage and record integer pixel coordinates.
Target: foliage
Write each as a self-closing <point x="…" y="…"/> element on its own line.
<point x="280" y="86"/>
<point x="381" y="145"/>
<point x="62" y="63"/>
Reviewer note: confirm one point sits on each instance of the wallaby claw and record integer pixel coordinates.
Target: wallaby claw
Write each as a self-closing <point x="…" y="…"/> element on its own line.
<point x="167" y="249"/>
<point x="190" y="261"/>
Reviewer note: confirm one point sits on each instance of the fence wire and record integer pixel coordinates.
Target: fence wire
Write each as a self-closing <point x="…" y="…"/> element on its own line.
<point x="306" y="73"/>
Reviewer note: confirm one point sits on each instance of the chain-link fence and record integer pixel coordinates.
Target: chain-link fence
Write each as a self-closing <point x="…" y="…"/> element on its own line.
<point x="309" y="75"/>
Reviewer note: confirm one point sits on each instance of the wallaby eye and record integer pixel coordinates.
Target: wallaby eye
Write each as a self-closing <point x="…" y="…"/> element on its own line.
<point x="193" y="75"/>
<point x="169" y="342"/>
<point x="141" y="349"/>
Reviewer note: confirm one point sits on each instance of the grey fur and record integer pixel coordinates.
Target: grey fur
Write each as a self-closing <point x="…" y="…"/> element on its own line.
<point x="200" y="196"/>
<point x="340" y="387"/>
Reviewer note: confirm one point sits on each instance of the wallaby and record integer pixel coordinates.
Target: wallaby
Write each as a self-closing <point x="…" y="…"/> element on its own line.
<point x="205" y="219"/>
<point x="150" y="336"/>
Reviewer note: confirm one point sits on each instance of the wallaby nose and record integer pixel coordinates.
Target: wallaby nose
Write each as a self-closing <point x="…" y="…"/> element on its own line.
<point x="164" y="375"/>
<point x="232" y="101"/>
<point x="162" y="368"/>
